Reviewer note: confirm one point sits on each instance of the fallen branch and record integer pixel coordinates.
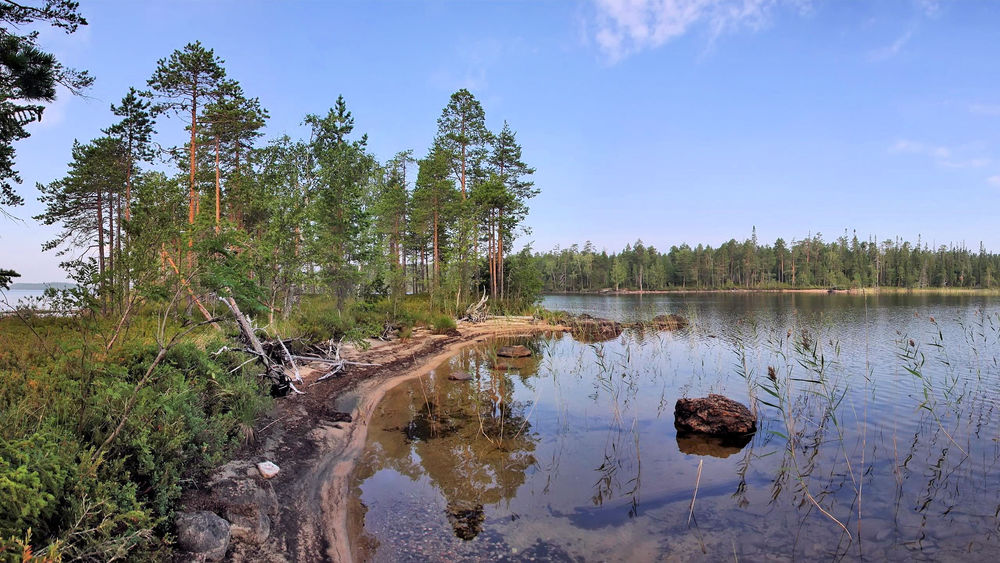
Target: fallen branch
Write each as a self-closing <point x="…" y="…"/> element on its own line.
<point x="270" y="370"/>
<point x="291" y="360"/>
<point x="187" y="286"/>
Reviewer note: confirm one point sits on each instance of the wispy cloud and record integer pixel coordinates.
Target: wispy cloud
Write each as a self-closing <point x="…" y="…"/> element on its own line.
<point x="893" y="49"/>
<point x="625" y="27"/>
<point x="470" y="68"/>
<point x="985" y="109"/>
<point x="994" y="180"/>
<point x="948" y="157"/>
<point x="929" y="8"/>
<point x="916" y="147"/>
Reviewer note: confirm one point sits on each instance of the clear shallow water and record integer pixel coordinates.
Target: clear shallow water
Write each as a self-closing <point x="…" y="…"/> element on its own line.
<point x="572" y="454"/>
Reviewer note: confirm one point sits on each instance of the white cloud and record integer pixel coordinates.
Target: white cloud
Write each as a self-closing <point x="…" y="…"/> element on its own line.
<point x="625" y="27"/>
<point x="994" y="180"/>
<point x="949" y="157"/>
<point x="890" y="51"/>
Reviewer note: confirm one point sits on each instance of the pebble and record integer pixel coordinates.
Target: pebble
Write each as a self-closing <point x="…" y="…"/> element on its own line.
<point x="267" y="469"/>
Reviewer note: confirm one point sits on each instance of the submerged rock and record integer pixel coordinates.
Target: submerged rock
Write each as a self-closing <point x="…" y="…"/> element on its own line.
<point x="591" y="329"/>
<point x="714" y="414"/>
<point x="669" y="322"/>
<point x="460" y="376"/>
<point x="203" y="534"/>
<point x="466" y="520"/>
<point x="509" y="364"/>
<point x="514" y="352"/>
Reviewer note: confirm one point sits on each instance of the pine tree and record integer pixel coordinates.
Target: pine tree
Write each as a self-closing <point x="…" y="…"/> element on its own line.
<point x="29" y="75"/>
<point x="135" y="134"/>
<point x="188" y="77"/>
<point x="233" y="122"/>
<point x="344" y="174"/>
<point x="434" y="199"/>
<point x="511" y="207"/>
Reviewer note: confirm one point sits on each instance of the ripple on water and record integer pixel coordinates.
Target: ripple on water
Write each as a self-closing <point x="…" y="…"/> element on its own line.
<point x="573" y="455"/>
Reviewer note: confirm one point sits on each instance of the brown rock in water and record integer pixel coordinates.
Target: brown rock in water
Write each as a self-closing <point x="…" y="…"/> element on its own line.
<point x="669" y="322"/>
<point x="460" y="376"/>
<point x="514" y="352"/>
<point x="466" y="519"/>
<point x="590" y="329"/>
<point x="509" y="364"/>
<point x="714" y="414"/>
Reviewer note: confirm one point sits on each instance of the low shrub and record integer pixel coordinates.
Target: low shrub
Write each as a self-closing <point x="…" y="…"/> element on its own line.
<point x="442" y="324"/>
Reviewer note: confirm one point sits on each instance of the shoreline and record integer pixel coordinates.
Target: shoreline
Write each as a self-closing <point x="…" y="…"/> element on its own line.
<point x="310" y="518"/>
<point x="847" y="291"/>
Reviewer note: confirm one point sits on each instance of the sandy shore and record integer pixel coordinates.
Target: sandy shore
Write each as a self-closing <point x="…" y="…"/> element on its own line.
<point x="317" y="454"/>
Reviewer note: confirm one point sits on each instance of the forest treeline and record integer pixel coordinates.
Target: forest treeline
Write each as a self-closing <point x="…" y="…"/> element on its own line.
<point x="807" y="263"/>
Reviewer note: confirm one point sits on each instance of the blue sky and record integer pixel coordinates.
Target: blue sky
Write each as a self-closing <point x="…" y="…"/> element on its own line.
<point x="667" y="120"/>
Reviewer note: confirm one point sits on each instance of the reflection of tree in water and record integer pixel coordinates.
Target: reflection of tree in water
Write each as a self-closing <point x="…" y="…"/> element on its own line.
<point x="471" y="439"/>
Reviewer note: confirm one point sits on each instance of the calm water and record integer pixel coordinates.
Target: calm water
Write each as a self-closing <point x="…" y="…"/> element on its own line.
<point x="22" y="296"/>
<point x="869" y="446"/>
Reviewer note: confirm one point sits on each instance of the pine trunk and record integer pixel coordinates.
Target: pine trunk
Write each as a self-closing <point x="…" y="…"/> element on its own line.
<point x="218" y="188"/>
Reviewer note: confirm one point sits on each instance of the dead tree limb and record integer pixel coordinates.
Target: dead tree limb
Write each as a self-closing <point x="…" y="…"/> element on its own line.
<point x="476" y="313"/>
<point x="291" y="359"/>
<point x="246" y="329"/>
<point x="187" y="286"/>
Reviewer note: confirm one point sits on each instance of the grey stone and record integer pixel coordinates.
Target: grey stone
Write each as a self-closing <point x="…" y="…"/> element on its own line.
<point x="202" y="534"/>
<point x="249" y="508"/>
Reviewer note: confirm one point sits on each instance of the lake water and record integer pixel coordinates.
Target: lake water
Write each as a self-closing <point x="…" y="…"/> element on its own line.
<point x="877" y="438"/>
<point x="22" y="296"/>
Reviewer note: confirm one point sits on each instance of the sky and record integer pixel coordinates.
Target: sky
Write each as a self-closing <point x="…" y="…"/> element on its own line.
<point x="668" y="121"/>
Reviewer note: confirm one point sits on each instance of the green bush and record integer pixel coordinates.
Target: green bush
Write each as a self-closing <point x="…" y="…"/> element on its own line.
<point x="443" y="324"/>
<point x="319" y="319"/>
<point x="57" y="410"/>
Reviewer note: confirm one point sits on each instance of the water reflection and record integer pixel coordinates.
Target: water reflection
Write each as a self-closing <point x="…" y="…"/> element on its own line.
<point x="470" y="439"/>
<point x="714" y="446"/>
<point x="868" y="446"/>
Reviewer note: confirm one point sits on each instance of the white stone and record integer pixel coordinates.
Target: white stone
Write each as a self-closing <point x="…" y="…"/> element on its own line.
<point x="268" y="469"/>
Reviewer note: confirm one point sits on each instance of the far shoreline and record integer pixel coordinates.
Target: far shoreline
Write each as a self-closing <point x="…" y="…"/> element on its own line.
<point x="813" y="290"/>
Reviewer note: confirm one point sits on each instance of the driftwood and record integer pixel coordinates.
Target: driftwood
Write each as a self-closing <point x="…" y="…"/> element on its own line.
<point x="477" y="313"/>
<point x="275" y="354"/>
<point x="272" y="369"/>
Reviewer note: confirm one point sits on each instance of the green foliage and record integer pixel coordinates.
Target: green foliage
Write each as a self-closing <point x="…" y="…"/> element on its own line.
<point x="56" y="411"/>
<point x="321" y="319"/>
<point x="442" y="324"/>
<point x="28" y="76"/>
<point x="6" y="276"/>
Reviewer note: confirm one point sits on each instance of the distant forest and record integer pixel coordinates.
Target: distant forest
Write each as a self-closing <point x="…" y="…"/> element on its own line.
<point x="808" y="263"/>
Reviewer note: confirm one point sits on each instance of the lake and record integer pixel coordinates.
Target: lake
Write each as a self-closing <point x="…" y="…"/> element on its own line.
<point x="878" y="428"/>
<point x="22" y="297"/>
